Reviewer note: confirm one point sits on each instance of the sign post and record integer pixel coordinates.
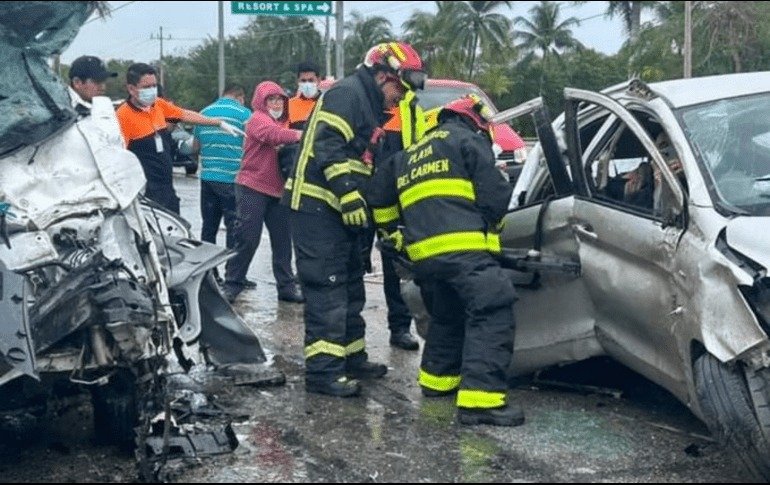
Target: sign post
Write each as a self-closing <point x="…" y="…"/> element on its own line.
<point x="283" y="8"/>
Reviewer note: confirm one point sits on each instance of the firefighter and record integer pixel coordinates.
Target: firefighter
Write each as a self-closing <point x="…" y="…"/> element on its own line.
<point x="441" y="201"/>
<point x="405" y="126"/>
<point x="330" y="216"/>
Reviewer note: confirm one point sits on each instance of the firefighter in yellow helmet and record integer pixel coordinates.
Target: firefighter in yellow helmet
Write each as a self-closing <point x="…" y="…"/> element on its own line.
<point x="330" y="215"/>
<point x="441" y="201"/>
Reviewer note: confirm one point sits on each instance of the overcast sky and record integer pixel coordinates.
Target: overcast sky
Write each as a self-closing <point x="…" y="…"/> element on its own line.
<point x="132" y="31"/>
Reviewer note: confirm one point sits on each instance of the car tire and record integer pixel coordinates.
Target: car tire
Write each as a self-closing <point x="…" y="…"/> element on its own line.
<point x="115" y="410"/>
<point x="736" y="406"/>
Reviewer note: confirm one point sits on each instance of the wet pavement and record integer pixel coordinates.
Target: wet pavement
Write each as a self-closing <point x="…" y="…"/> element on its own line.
<point x="623" y="430"/>
<point x="392" y="434"/>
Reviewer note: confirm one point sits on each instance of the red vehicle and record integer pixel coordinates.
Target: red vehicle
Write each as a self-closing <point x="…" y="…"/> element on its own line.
<point x="438" y="92"/>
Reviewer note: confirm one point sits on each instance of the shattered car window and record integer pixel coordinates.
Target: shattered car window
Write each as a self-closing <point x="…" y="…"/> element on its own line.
<point x="731" y="139"/>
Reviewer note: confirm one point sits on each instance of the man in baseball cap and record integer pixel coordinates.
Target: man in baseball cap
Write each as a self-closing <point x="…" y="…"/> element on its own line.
<point x="88" y="78"/>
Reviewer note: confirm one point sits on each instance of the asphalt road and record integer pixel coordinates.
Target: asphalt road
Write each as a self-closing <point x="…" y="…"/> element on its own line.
<point x="591" y="422"/>
<point x="573" y="432"/>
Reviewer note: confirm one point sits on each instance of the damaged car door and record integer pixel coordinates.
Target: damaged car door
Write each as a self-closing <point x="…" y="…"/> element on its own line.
<point x="628" y="220"/>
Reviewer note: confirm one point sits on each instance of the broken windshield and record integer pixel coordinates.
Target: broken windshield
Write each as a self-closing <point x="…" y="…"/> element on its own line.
<point x="731" y="140"/>
<point x="34" y="103"/>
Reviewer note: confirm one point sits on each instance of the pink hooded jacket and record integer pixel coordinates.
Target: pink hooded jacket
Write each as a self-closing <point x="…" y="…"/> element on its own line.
<point x="259" y="169"/>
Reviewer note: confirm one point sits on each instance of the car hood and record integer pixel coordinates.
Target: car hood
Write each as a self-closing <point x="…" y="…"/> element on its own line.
<point x="749" y="236"/>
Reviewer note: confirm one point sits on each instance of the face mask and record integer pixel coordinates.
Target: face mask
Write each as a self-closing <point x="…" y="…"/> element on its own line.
<point x="497" y="149"/>
<point x="275" y="113"/>
<point x="147" y="96"/>
<point x="308" y="90"/>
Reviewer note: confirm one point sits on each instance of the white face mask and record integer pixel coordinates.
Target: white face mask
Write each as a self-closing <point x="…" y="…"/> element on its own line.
<point x="275" y="113"/>
<point x="308" y="90"/>
<point x="497" y="149"/>
<point x="147" y="96"/>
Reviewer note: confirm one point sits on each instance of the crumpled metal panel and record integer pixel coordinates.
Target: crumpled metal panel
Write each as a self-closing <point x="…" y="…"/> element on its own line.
<point x="34" y="103"/>
<point x="17" y="357"/>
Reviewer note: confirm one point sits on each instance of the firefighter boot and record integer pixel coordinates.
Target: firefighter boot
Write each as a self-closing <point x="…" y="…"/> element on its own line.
<point x="508" y="415"/>
<point x="366" y="370"/>
<point x="342" y="387"/>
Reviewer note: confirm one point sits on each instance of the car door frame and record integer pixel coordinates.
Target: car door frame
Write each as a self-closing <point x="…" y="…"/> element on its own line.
<point x="540" y="234"/>
<point x="635" y="316"/>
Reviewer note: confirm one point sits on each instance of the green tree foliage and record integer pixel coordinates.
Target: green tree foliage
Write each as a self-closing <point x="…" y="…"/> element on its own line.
<point x="268" y="48"/>
<point x="473" y="41"/>
<point x="364" y="33"/>
<point x="545" y="33"/>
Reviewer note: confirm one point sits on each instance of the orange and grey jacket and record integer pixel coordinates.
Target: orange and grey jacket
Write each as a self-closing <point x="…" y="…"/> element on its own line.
<point x="300" y="108"/>
<point x="330" y="166"/>
<point x="446" y="193"/>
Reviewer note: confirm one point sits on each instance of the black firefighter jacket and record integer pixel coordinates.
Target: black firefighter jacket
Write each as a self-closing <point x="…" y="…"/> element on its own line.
<point x="446" y="194"/>
<point x="338" y="132"/>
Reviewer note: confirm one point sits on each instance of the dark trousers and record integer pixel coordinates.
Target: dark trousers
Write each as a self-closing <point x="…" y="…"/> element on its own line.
<point x="399" y="317"/>
<point x="330" y="269"/>
<point x="217" y="203"/>
<point x="254" y="209"/>
<point x="164" y="195"/>
<point x="472" y="323"/>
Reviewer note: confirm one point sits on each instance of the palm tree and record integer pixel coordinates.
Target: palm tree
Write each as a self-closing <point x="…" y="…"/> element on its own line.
<point x="546" y="34"/>
<point x="363" y="33"/>
<point x="430" y="35"/>
<point x="476" y="25"/>
<point x="630" y="12"/>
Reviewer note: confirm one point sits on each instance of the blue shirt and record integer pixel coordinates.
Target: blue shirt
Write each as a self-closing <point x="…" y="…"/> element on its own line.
<point x="220" y="153"/>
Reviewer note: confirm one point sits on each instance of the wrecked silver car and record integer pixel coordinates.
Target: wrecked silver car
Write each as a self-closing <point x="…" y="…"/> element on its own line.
<point x="98" y="289"/>
<point x="639" y="225"/>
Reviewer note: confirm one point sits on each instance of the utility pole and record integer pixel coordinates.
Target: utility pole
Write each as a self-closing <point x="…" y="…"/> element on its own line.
<point x="221" y="73"/>
<point x="340" y="38"/>
<point x="687" y="39"/>
<point x="160" y="60"/>
<point x="328" y="41"/>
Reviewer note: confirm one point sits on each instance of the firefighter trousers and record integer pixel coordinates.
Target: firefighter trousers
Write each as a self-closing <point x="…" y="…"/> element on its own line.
<point x="331" y="272"/>
<point x="469" y="345"/>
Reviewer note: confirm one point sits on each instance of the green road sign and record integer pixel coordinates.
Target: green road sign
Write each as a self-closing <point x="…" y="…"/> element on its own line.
<point x="282" y="8"/>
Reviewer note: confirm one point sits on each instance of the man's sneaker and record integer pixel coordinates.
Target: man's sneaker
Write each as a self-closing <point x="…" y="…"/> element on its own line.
<point x="367" y="370"/>
<point x="404" y="340"/>
<point x="509" y="415"/>
<point x="342" y="387"/>
<point x="434" y="393"/>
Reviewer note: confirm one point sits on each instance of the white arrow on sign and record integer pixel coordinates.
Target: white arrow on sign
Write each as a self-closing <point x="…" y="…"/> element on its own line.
<point x="323" y="7"/>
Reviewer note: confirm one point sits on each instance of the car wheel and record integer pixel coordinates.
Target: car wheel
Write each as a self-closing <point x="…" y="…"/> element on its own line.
<point x="736" y="406"/>
<point x="115" y="410"/>
<point x="191" y="168"/>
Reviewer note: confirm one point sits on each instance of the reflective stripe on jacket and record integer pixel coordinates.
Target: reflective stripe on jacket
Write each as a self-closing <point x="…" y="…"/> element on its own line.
<point x="445" y="191"/>
<point x="336" y="135"/>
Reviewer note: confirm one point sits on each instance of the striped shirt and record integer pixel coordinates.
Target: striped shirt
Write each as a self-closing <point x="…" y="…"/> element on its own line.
<point x="220" y="153"/>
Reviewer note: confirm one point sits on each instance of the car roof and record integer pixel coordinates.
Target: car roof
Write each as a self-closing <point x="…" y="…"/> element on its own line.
<point x="687" y="92"/>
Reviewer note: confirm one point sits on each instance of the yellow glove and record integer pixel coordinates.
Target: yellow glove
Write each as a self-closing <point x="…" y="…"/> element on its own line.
<point x="354" y="211"/>
<point x="396" y="238"/>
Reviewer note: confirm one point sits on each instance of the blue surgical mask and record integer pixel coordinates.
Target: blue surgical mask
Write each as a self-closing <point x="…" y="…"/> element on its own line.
<point x="275" y="113"/>
<point x="147" y="96"/>
<point x="308" y="89"/>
